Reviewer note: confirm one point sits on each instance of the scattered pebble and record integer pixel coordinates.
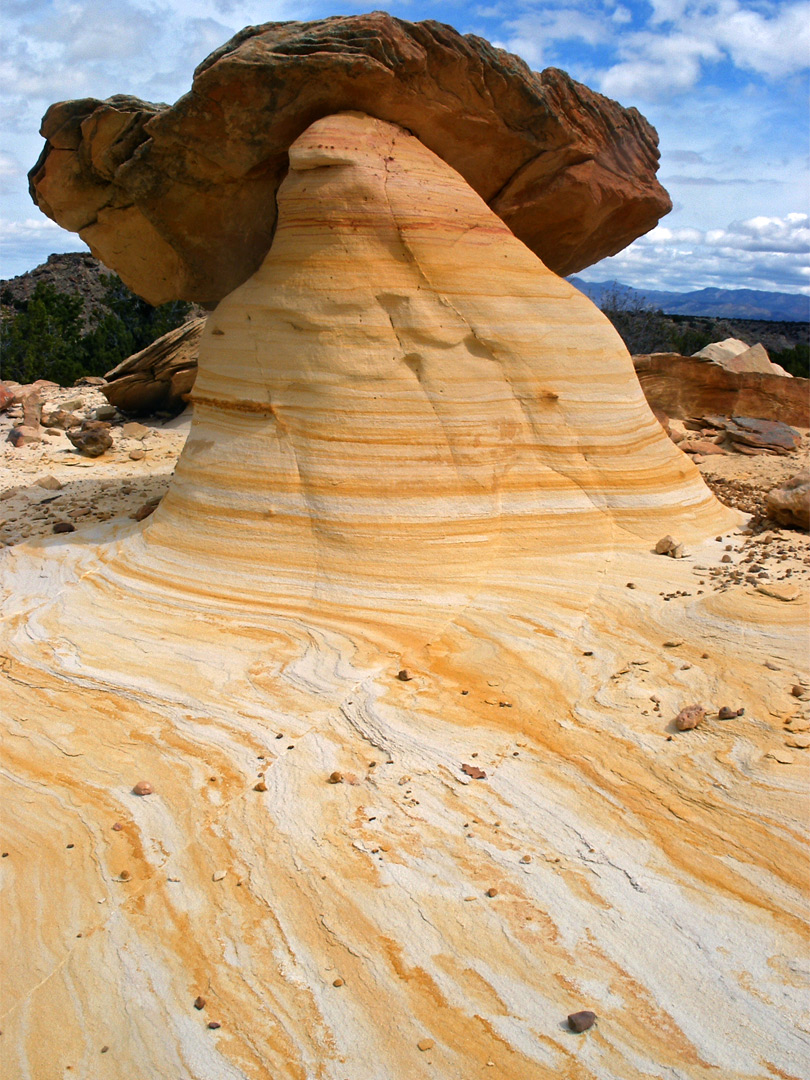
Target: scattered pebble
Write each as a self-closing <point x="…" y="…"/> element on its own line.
<point x="104" y="1049"/>
<point x="689" y="717"/>
<point x="117" y="827"/>
<point x="143" y="787"/>
<point x="727" y="713"/>
<point x="474" y="772"/>
<point x="797" y="690"/>
<point x="492" y="892"/>
<point x="218" y="875"/>
<point x="581" y="1021"/>
<point x="64" y="527"/>
<point x="214" y="1024"/>
<point x="337" y="982"/>
<point x="426" y="1044"/>
<point x="199" y="1002"/>
<point x="404" y="675"/>
<point x="525" y="858"/>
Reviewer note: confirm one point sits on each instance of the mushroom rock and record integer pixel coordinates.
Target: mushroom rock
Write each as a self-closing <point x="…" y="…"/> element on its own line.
<point x="414" y="448"/>
<point x="181" y="199"/>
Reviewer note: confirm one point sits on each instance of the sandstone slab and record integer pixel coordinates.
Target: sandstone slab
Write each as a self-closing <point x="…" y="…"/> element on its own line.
<point x="682" y="386"/>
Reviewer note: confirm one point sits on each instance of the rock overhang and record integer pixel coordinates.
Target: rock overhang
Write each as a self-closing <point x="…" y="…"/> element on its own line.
<point x="180" y="200"/>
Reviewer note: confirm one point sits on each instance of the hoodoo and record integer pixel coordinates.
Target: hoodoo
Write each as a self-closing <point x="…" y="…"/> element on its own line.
<point x="417" y="450"/>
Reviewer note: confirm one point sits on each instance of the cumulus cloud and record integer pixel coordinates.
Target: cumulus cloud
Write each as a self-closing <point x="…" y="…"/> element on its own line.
<point x="684" y="36"/>
<point x="766" y="253"/>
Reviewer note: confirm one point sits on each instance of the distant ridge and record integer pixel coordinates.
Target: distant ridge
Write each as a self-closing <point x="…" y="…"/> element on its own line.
<point x="714" y="303"/>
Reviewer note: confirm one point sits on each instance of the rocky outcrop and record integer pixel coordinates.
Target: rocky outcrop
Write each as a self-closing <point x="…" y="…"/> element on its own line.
<point x="684" y="386"/>
<point x="180" y="200"/>
<point x="789" y="503"/>
<point x="735" y="355"/>
<point x="161" y="376"/>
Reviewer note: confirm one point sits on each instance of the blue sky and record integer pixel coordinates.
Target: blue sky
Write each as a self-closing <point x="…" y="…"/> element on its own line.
<point x="725" y="82"/>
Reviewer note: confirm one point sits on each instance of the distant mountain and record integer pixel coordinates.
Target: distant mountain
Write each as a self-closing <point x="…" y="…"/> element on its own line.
<point x="713" y="303"/>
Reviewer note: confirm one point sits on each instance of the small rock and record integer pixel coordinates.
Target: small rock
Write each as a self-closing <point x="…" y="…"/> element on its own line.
<point x="23" y="435"/>
<point x="143" y="787"/>
<point x="134" y="430"/>
<point x="199" y="1002"/>
<point x="630" y="585"/>
<point x="214" y="1024"/>
<point x="492" y="892"/>
<point x="525" y="858"/>
<point x="104" y="1049"/>
<point x="64" y="527"/>
<point x="50" y="483"/>
<point x="336" y="778"/>
<point x="219" y="875"/>
<point x="678" y="552"/>
<point x="797" y="690"/>
<point x="581" y="1021"/>
<point x="426" y="1044"/>
<point x="117" y="827"/>
<point x="404" y="675"/>
<point x="125" y="875"/>
<point x="690" y="717"/>
<point x="474" y="772"/>
<point x="147" y="509"/>
<point x="665" y="545"/>
<point x="673" y="644"/>
<point x="727" y="713"/>
<point x="137" y="455"/>
<point x="337" y="982"/>
<point x="104" y="412"/>
<point x="726" y="558"/>
<point x="92" y="439"/>
<point x="261" y="786"/>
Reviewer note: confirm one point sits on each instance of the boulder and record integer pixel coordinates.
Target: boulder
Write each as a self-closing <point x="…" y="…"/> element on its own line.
<point x="24" y="435"/>
<point x="789" y="504"/>
<point x="92" y="439"/>
<point x="682" y="386"/>
<point x="6" y="398"/>
<point x="180" y="200"/>
<point x="734" y="355"/>
<point x="160" y="377"/>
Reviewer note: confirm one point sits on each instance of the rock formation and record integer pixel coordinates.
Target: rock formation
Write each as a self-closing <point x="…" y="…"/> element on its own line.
<point x="159" y="377"/>
<point x="789" y="503"/>
<point x="180" y="200"/>
<point x="352" y="758"/>
<point x="734" y="355"/>
<point x="683" y="386"/>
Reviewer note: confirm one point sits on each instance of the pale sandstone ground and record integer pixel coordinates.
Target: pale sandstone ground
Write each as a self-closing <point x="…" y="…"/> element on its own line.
<point x="243" y="644"/>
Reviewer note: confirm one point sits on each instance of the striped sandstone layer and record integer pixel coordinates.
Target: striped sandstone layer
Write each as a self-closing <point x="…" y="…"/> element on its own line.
<point x="414" y="449"/>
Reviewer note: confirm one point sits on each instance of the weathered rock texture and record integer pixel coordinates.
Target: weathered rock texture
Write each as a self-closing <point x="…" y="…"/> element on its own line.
<point x="159" y="377"/>
<point x="683" y="386"/>
<point x="790" y="503"/>
<point x="413" y="449"/>
<point x="181" y="200"/>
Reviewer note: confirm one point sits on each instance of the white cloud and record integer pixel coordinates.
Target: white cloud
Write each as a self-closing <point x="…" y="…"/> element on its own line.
<point x="766" y="253"/>
<point x="686" y="35"/>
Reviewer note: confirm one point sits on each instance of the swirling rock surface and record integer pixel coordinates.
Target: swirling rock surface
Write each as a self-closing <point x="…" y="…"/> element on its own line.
<point x="413" y="448"/>
<point x="181" y="199"/>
